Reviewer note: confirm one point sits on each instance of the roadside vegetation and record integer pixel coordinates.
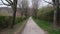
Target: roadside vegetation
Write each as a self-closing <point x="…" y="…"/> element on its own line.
<point x="45" y="20"/>
<point x="5" y="21"/>
<point x="47" y="26"/>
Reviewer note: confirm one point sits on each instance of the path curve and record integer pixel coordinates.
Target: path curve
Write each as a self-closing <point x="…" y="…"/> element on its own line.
<point x="32" y="28"/>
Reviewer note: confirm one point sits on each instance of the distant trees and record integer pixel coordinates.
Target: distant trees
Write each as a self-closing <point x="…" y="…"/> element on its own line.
<point x="13" y="4"/>
<point x="35" y="7"/>
<point x="20" y="5"/>
<point x="24" y="7"/>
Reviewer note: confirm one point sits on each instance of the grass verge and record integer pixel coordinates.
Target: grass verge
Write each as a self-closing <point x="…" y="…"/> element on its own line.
<point x="47" y="26"/>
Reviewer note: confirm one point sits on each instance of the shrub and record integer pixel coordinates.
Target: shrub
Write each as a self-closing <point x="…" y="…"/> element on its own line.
<point x="2" y="21"/>
<point x="6" y="21"/>
<point x="46" y="15"/>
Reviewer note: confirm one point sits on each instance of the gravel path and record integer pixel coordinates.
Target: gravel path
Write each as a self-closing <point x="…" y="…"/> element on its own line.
<point x="32" y="28"/>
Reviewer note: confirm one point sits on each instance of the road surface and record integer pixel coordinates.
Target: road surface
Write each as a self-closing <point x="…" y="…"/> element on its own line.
<point x="32" y="28"/>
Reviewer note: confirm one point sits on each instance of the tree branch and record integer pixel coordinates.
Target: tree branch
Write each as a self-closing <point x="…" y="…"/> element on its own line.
<point x="48" y="2"/>
<point x="5" y="4"/>
<point x="10" y="1"/>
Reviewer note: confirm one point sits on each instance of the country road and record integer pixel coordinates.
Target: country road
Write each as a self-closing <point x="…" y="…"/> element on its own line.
<point x="32" y="28"/>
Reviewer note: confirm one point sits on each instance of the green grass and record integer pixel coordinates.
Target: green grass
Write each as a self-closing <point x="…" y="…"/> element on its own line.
<point x="47" y="26"/>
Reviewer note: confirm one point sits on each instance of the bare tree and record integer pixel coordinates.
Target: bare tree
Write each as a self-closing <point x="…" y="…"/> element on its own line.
<point x="13" y="4"/>
<point x="21" y="10"/>
<point x="35" y="6"/>
<point x="24" y="6"/>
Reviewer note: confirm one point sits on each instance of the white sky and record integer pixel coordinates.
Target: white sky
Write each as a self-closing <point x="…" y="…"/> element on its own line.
<point x="42" y="3"/>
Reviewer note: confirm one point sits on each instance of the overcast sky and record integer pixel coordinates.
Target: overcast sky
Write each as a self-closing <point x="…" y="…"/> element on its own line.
<point x="42" y="3"/>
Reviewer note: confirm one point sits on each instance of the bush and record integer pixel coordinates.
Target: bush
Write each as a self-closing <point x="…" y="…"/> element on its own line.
<point x="6" y="21"/>
<point x="19" y="19"/>
<point x="2" y="21"/>
<point x="47" y="16"/>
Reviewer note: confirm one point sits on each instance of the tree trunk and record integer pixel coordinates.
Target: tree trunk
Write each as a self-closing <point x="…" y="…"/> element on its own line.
<point x="57" y="2"/>
<point x="14" y="13"/>
<point x="56" y="12"/>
